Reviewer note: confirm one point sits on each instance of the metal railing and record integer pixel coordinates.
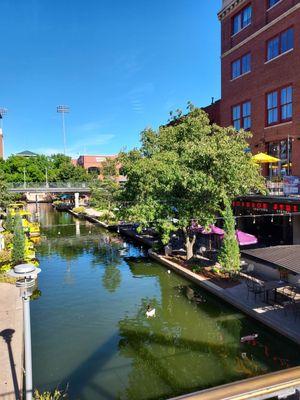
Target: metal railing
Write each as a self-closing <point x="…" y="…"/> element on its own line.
<point x="277" y="385"/>
<point x="48" y="186"/>
<point x="39" y="185"/>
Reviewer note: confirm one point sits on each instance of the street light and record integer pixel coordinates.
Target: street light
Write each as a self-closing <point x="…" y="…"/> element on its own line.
<point x="63" y="110"/>
<point x="26" y="275"/>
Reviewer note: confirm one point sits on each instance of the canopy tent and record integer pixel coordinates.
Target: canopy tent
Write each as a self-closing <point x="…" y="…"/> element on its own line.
<point x="245" y="239"/>
<point x="263" y="158"/>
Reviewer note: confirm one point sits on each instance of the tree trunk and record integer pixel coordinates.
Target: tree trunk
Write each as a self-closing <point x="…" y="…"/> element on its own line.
<point x="189" y="245"/>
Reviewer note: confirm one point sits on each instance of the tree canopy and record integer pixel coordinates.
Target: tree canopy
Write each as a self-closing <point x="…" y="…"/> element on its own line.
<point x="186" y="170"/>
<point x="58" y="166"/>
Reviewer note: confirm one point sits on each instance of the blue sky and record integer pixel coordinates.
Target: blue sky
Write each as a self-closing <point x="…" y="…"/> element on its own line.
<point x="121" y="66"/>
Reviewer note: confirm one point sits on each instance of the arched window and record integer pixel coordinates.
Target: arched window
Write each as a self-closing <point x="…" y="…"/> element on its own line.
<point x="94" y="170"/>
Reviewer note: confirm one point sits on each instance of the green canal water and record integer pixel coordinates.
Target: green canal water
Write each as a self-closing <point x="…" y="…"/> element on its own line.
<point x="90" y="332"/>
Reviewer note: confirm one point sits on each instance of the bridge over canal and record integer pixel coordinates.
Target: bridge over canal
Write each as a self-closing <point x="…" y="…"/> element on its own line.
<point x="50" y="187"/>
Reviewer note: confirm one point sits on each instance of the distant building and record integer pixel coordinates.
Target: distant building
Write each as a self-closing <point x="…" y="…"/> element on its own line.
<point x="94" y="164"/>
<point x="26" y="153"/>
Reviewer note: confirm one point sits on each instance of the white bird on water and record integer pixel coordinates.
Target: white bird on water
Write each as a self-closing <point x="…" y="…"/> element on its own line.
<point x="150" y="312"/>
<point x="169" y="271"/>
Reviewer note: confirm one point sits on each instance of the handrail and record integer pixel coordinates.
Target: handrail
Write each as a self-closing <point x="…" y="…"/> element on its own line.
<point x="280" y="383"/>
<point x="38" y="185"/>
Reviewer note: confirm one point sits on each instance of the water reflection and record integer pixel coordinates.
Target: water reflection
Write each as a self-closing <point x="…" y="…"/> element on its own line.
<point x="90" y="330"/>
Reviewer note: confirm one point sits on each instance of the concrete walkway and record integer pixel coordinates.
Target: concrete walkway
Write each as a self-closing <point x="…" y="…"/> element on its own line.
<point x="11" y="342"/>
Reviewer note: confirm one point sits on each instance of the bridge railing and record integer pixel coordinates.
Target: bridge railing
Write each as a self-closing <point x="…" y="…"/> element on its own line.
<point x="41" y="185"/>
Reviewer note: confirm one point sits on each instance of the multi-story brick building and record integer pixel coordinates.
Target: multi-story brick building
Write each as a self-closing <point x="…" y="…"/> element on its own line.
<point x="260" y="42"/>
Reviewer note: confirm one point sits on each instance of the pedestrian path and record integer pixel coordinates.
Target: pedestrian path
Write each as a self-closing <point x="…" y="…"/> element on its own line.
<point x="11" y="342"/>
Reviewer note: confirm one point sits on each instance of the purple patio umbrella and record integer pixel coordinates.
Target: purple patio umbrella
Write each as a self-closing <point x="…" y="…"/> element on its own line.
<point x="245" y="239"/>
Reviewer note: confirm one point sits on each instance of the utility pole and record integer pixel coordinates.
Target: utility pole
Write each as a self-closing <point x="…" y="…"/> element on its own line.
<point x="46" y="174"/>
<point x="63" y="110"/>
<point x="24" y="176"/>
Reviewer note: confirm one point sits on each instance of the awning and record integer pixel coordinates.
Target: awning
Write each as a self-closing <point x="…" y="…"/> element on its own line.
<point x="245" y="239"/>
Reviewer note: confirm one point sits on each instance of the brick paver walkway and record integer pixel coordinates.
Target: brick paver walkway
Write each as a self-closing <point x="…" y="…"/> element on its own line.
<point x="11" y="342"/>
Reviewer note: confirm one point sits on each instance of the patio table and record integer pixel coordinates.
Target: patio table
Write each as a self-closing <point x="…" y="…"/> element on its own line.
<point x="273" y="285"/>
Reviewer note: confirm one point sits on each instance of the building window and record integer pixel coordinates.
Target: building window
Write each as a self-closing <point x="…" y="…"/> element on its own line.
<point x="242" y="19"/>
<point x="280" y="44"/>
<point x="241" y="66"/>
<point x="280" y="105"/>
<point x="272" y="3"/>
<point x="283" y="151"/>
<point x="241" y="116"/>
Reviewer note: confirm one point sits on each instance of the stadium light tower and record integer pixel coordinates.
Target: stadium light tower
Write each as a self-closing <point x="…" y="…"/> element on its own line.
<point x="3" y="111"/>
<point x="63" y="110"/>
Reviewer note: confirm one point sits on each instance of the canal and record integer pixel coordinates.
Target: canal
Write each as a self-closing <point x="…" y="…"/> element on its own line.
<point x="91" y="336"/>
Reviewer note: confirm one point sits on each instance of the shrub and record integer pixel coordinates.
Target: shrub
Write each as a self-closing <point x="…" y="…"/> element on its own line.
<point x="5" y="256"/>
<point x="79" y="210"/>
<point x="196" y="268"/>
<point x="56" y="395"/>
<point x="229" y="257"/>
<point x="8" y="238"/>
<point x="18" y="250"/>
<point x="9" y="222"/>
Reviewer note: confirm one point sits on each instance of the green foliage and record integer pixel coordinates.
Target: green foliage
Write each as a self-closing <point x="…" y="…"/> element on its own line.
<point x="104" y="194"/>
<point x="9" y="222"/>
<point x="18" y="251"/>
<point x="109" y="168"/>
<point x="5" y="256"/>
<point x="5" y="196"/>
<point x="59" y="169"/>
<point x="56" y="395"/>
<point x="229" y="257"/>
<point x="79" y="210"/>
<point x="183" y="171"/>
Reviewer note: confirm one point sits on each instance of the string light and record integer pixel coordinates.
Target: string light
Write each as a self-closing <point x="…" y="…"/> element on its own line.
<point x="290" y="219"/>
<point x="254" y="220"/>
<point x="272" y="219"/>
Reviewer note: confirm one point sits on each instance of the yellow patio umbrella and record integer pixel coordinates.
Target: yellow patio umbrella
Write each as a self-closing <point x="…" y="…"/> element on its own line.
<point x="263" y="158"/>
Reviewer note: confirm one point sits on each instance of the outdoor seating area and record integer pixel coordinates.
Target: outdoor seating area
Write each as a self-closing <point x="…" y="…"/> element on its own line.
<point x="276" y="293"/>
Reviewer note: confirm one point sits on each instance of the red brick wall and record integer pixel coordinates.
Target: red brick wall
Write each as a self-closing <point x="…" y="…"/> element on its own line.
<point x="214" y="112"/>
<point x="264" y="77"/>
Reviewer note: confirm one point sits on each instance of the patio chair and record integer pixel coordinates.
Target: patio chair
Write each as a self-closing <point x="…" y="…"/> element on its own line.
<point x="250" y="286"/>
<point x="258" y="289"/>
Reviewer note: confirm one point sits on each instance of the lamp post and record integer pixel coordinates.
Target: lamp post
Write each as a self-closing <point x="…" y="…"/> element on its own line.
<point x="63" y="110"/>
<point x="26" y="275"/>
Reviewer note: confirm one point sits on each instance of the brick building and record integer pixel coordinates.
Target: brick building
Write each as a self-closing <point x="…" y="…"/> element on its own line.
<point x="260" y="42"/>
<point x="94" y="164"/>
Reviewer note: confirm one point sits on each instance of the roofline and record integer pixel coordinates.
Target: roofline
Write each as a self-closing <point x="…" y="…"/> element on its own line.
<point x="229" y="8"/>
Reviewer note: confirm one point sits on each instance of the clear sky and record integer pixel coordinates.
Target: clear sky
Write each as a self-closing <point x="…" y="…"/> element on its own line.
<point x="120" y="65"/>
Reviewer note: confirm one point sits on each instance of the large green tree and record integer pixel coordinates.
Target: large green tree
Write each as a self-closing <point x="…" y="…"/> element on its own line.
<point x="105" y="192"/>
<point x="184" y="171"/>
